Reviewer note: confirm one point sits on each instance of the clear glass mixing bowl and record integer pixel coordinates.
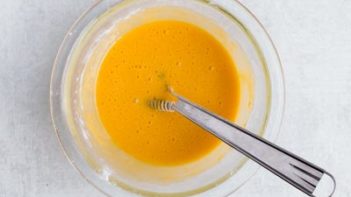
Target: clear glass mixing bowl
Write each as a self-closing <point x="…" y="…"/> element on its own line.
<point x="88" y="146"/>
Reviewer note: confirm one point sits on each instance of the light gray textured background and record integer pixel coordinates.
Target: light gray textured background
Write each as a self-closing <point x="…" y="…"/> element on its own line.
<point x="312" y="36"/>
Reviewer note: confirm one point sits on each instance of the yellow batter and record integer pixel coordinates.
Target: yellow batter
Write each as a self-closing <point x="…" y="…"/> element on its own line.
<point x="139" y="67"/>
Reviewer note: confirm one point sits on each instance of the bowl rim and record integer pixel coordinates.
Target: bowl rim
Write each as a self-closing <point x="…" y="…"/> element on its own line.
<point x="82" y="172"/>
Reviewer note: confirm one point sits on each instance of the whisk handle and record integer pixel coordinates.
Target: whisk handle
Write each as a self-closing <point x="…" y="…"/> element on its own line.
<point x="298" y="172"/>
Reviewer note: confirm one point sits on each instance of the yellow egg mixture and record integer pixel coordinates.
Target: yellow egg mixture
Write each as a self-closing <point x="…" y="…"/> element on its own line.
<point x="140" y="66"/>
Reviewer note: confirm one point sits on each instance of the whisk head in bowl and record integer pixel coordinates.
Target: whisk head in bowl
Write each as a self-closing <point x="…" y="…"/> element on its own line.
<point x="161" y="105"/>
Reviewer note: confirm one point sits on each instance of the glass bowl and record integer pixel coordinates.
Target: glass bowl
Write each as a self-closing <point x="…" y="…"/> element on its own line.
<point x="88" y="146"/>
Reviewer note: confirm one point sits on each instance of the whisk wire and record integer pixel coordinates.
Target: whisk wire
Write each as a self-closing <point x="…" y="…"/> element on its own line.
<point x="162" y="105"/>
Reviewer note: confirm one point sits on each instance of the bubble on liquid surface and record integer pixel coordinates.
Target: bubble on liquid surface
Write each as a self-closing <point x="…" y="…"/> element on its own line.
<point x="136" y="100"/>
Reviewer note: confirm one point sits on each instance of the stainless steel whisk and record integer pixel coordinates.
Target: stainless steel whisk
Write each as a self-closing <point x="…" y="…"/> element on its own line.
<point x="298" y="172"/>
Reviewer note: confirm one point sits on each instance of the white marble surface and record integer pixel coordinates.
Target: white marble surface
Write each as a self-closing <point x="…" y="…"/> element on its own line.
<point x="312" y="36"/>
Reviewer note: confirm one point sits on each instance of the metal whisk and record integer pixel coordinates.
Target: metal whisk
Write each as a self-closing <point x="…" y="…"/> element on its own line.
<point x="298" y="172"/>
